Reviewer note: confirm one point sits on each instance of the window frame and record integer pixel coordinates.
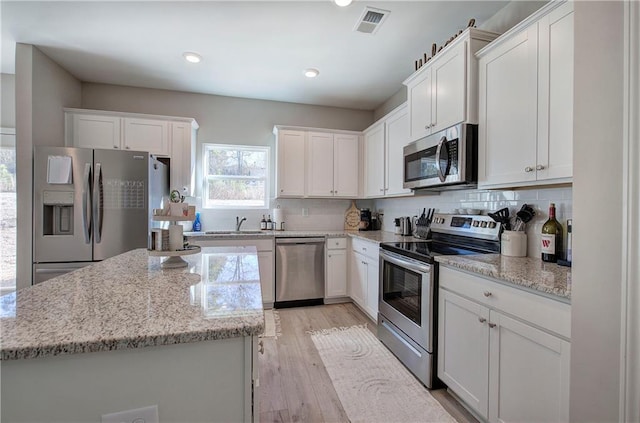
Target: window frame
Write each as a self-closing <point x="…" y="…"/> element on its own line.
<point x="206" y="177"/>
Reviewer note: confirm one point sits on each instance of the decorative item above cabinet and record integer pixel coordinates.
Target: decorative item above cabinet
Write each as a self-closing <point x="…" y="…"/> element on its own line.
<point x="444" y="92"/>
<point x="312" y="162"/>
<point x="526" y="128"/>
<point x="163" y="136"/>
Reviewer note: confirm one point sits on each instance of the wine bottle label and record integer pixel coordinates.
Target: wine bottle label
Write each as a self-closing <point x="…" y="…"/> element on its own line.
<point x="548" y="244"/>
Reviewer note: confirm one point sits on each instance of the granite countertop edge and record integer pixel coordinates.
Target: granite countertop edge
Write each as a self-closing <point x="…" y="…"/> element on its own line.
<point x="518" y="274"/>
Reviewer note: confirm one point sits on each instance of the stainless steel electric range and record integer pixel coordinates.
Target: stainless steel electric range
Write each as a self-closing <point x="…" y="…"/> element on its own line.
<point x="407" y="312"/>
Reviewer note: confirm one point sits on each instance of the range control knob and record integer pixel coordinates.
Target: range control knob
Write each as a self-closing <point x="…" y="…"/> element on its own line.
<point x="475" y="223"/>
<point x="483" y="224"/>
<point x="492" y="225"/>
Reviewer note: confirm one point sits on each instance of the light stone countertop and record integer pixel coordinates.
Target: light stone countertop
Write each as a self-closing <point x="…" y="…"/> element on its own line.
<point x="530" y="273"/>
<point x="374" y="236"/>
<point x="128" y="301"/>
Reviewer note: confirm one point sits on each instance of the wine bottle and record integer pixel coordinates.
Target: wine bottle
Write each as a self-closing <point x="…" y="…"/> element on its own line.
<point x="551" y="237"/>
<point x="263" y="223"/>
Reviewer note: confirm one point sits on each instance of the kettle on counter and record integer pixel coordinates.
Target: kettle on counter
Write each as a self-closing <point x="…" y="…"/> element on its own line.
<point x="405" y="225"/>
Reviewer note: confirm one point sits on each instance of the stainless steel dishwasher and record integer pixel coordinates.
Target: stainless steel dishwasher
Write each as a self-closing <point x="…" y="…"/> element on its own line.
<point x="299" y="271"/>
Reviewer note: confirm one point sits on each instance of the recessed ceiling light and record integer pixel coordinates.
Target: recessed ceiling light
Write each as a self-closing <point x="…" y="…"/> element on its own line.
<point x="311" y="72"/>
<point x="192" y="57"/>
<point x="343" y="3"/>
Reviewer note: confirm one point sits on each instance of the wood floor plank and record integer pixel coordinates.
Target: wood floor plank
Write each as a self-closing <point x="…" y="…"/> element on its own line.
<point x="294" y="384"/>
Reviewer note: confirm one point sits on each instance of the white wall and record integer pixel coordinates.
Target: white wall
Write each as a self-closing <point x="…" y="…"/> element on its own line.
<point x="598" y="195"/>
<point x="229" y="120"/>
<point x="489" y="201"/>
<point x="42" y="90"/>
<point x="7" y="100"/>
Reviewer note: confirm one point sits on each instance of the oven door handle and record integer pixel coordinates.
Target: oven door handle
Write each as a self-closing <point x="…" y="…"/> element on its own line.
<point x="404" y="262"/>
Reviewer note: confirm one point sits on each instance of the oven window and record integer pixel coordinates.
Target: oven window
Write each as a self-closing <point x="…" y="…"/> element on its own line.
<point x="402" y="290"/>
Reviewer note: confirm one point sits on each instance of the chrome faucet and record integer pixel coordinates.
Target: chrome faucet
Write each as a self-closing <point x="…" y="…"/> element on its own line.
<point x="239" y="222"/>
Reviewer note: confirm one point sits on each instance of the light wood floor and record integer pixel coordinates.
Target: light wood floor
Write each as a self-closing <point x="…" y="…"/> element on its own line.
<point x="295" y="386"/>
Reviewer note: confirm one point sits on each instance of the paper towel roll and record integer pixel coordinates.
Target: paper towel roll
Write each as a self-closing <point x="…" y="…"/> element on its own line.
<point x="278" y="218"/>
<point x="175" y="237"/>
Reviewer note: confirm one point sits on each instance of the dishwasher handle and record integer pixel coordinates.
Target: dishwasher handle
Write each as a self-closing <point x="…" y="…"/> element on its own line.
<point x="299" y="240"/>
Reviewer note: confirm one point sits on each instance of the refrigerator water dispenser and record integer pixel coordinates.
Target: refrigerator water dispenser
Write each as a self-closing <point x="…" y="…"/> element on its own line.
<point x="57" y="212"/>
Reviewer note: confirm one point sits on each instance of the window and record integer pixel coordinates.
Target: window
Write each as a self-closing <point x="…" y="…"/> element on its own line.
<point x="235" y="176"/>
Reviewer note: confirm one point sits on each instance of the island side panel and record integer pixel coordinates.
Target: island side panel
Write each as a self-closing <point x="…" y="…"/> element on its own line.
<point x="195" y="382"/>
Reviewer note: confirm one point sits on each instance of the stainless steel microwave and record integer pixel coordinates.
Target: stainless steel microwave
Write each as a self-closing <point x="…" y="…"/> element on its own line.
<point x="444" y="160"/>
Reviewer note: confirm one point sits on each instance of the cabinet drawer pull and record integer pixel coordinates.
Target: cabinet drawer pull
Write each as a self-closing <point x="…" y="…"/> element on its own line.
<point x="486" y="293"/>
<point x="115" y="146"/>
<point x="492" y="325"/>
<point x="540" y="167"/>
<point x="364" y="248"/>
<point x="482" y="319"/>
<point x="528" y="169"/>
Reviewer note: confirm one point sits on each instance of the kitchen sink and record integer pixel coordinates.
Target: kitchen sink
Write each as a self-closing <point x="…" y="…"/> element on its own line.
<point x="234" y="232"/>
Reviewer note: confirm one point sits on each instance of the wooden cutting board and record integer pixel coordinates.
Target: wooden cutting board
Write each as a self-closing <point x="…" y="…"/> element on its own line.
<point x="352" y="218"/>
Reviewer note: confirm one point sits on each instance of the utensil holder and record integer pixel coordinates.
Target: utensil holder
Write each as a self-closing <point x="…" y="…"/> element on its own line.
<point x="513" y="244"/>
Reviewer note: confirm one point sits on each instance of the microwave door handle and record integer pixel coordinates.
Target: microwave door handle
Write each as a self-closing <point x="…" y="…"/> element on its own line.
<point x="86" y="203"/>
<point x="442" y="174"/>
<point x="97" y="203"/>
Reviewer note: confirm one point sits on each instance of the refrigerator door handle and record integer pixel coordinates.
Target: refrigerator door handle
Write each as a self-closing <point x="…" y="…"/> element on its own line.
<point x="98" y="196"/>
<point x="86" y="203"/>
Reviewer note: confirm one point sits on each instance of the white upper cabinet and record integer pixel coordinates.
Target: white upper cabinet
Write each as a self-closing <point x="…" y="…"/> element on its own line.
<point x="444" y="91"/>
<point x="317" y="163"/>
<point x="383" y="151"/>
<point x="146" y="135"/>
<point x="291" y="147"/>
<point x="526" y="102"/>
<point x="164" y="136"/>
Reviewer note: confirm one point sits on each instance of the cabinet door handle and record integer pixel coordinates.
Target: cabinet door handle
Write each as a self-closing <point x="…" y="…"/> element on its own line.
<point x="427" y="126"/>
<point x="115" y="146"/>
<point x="335" y="192"/>
<point x="482" y="319"/>
<point x="487" y="293"/>
<point x="364" y="248"/>
<point x="528" y="169"/>
<point x="492" y="325"/>
<point x="381" y="189"/>
<point x="540" y="167"/>
<point x="127" y="147"/>
<point x="281" y="190"/>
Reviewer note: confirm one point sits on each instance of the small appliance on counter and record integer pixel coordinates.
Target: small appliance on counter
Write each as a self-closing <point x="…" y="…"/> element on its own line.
<point x="365" y="220"/>
<point x="405" y="225"/>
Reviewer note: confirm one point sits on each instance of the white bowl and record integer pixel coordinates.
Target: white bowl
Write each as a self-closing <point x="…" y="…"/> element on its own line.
<point x="473" y="211"/>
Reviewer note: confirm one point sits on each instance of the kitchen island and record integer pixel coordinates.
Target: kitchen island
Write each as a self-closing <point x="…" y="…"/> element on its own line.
<point x="124" y="334"/>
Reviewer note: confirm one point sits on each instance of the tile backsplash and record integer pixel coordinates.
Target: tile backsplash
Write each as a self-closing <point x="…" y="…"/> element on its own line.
<point x="328" y="214"/>
<point x="487" y="201"/>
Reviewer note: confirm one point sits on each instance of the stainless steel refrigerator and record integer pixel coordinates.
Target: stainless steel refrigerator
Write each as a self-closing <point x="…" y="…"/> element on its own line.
<point x="90" y="205"/>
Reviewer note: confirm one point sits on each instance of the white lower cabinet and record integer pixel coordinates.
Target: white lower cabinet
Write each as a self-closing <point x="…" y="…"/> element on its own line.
<point x="336" y="268"/>
<point x="266" y="261"/>
<point x="503" y="351"/>
<point x="364" y="279"/>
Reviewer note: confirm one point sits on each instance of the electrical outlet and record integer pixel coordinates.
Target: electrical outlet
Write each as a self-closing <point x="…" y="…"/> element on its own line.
<point x="139" y="415"/>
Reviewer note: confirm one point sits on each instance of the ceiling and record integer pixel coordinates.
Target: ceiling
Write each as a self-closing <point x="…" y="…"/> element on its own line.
<point x="251" y="49"/>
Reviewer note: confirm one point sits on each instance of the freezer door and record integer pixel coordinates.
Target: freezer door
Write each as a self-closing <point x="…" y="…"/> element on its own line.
<point x="62" y="204"/>
<point x="120" y="202"/>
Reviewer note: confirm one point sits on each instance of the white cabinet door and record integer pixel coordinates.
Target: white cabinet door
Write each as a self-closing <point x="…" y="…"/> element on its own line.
<point x="358" y="279"/>
<point x="96" y="131"/>
<point x="508" y="95"/>
<point x="346" y="169"/>
<point x="291" y="148"/>
<point x="372" y="288"/>
<point x="419" y="94"/>
<point x="182" y="157"/>
<point x="397" y="136"/>
<point x="529" y="373"/>
<point x="463" y="349"/>
<point x="336" y="274"/>
<point x="448" y="98"/>
<point x="146" y="135"/>
<point x="374" y="161"/>
<point x="265" y="262"/>
<point x="320" y="164"/>
<point x="555" y="95"/>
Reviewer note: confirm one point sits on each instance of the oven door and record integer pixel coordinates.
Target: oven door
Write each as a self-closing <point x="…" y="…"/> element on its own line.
<point x="407" y="296"/>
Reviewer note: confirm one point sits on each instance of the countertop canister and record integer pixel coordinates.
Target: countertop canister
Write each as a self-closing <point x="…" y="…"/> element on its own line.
<point x="513" y="244"/>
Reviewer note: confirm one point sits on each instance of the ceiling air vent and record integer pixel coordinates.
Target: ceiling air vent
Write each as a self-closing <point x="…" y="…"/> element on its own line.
<point x="370" y="20"/>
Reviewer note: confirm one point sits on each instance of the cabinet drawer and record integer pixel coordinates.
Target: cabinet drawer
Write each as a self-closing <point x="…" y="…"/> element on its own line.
<point x="546" y="313"/>
<point x="336" y="243"/>
<point x="260" y="244"/>
<point x="367" y="248"/>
